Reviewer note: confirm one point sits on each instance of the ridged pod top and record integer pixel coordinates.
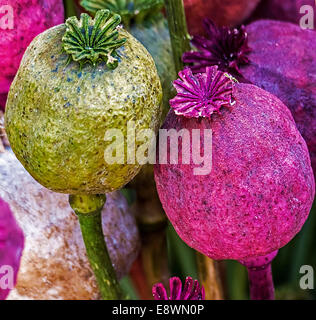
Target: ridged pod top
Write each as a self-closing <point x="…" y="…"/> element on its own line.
<point x="136" y="10"/>
<point x="91" y="40"/>
<point x="202" y="94"/>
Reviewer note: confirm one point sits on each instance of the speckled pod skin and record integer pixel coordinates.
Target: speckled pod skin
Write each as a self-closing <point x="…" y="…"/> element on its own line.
<point x="291" y="79"/>
<point x="153" y="33"/>
<point x="222" y="12"/>
<point x="30" y="17"/>
<point x="261" y="187"/>
<point x="54" y="264"/>
<point x="57" y="116"/>
<point x="285" y="10"/>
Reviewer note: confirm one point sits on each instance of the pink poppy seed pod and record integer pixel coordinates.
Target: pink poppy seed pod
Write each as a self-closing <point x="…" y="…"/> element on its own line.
<point x="260" y="189"/>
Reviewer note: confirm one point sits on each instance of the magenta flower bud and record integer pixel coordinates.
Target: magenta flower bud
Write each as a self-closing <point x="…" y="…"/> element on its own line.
<point x="225" y="47"/>
<point x="190" y="291"/>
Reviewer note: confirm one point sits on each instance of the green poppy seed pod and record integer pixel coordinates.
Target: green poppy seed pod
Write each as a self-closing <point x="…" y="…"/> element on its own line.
<point x="76" y="82"/>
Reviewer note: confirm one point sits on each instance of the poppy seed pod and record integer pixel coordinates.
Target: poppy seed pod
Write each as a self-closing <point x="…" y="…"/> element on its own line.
<point x="260" y="189"/>
<point x="62" y="105"/>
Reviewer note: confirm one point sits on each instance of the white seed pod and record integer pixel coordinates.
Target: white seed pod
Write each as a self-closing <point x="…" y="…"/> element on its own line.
<point x="54" y="264"/>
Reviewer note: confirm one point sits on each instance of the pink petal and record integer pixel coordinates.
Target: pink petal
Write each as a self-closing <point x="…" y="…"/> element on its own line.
<point x="175" y="288"/>
<point x="159" y="292"/>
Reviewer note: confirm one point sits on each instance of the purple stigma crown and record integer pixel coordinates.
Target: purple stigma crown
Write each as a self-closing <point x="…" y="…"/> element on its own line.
<point x="202" y="94"/>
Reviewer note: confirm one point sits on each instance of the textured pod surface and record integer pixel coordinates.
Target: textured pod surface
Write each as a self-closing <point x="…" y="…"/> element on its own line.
<point x="30" y="17"/>
<point x="54" y="263"/>
<point x="261" y="187"/>
<point x="222" y="12"/>
<point x="144" y="20"/>
<point x="291" y="79"/>
<point x="285" y="10"/>
<point x="11" y="246"/>
<point x="57" y="116"/>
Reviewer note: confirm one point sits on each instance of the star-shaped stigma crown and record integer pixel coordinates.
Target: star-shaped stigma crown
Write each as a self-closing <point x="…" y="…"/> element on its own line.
<point x="190" y="291"/>
<point x="95" y="40"/>
<point x="202" y="94"/>
<point x="225" y="47"/>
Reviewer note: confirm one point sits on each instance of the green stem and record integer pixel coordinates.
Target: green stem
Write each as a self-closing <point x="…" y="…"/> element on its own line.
<point x="69" y="8"/>
<point x="88" y="209"/>
<point x="180" y="39"/>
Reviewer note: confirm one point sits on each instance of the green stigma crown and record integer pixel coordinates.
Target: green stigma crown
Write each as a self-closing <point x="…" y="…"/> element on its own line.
<point x="137" y="10"/>
<point x="91" y="40"/>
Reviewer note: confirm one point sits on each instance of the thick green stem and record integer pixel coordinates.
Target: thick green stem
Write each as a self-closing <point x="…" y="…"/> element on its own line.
<point x="180" y="39"/>
<point x="88" y="209"/>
